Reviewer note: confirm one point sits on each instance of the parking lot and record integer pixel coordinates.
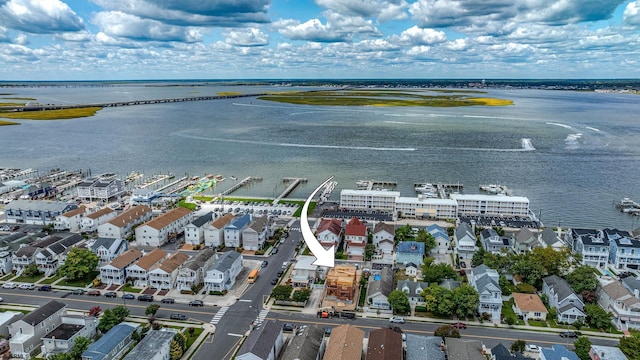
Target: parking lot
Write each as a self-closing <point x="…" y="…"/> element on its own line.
<point x="502" y="221"/>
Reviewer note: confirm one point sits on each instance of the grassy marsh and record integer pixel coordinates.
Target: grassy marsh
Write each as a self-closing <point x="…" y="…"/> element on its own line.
<point x="52" y="114"/>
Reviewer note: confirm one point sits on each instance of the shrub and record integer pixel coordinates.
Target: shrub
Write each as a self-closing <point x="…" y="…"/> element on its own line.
<point x="420" y="308"/>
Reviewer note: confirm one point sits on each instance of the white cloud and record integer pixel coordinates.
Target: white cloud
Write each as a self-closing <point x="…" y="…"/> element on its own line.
<point x="312" y="30"/>
<point x="631" y="15"/>
<point x="418" y="36"/>
<point x="39" y="16"/>
<point x="247" y="37"/>
<point x="119" y="24"/>
<point x="457" y="44"/>
<point x="383" y="10"/>
<point x="79" y="36"/>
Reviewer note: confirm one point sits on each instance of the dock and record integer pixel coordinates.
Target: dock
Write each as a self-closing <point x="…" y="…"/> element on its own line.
<point x="375" y="184"/>
<point x="246" y="181"/>
<point x="154" y="180"/>
<point x="173" y="183"/>
<point x="293" y="183"/>
<point x="628" y="206"/>
<point x="440" y="190"/>
<point x="495" y="189"/>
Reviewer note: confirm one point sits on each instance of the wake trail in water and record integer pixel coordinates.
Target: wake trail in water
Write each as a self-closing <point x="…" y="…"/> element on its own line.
<point x="526" y="144"/>
<point x="561" y="125"/>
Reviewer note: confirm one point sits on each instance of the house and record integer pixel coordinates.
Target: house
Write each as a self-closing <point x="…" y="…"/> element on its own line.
<point x="90" y="222"/>
<point x="6" y="318"/>
<point x="233" y="231"/>
<point x="255" y="235"/>
<point x="465" y="241"/>
<point x="214" y="231"/>
<point x="345" y="343"/>
<point x="557" y="352"/>
<point x="529" y="306"/>
<point x="486" y="283"/>
<point x="593" y="247"/>
<point x="379" y="289"/>
<point x="623" y="304"/>
<point x="122" y="225"/>
<point x="411" y="269"/>
<point x="102" y="187"/>
<point x="462" y="349"/>
<point x="568" y="304"/>
<point x="384" y="344"/>
<point x="163" y="276"/>
<point x="6" y="262"/>
<point x="63" y="338"/>
<point x="624" y="252"/>
<point x="524" y="241"/>
<point x="410" y="252"/>
<point x="52" y="256"/>
<point x="341" y="283"/>
<point x="600" y="352"/>
<point x="193" y="271"/>
<point x="138" y="272"/>
<point x="304" y="272"/>
<point x="306" y="346"/>
<point x="23" y="257"/>
<point x="384" y="237"/>
<point x="115" y="271"/>
<point x="113" y="344"/>
<point x="38" y="212"/>
<point x="500" y="352"/>
<point x="222" y="274"/>
<point x="194" y="231"/>
<point x="443" y="242"/>
<point x="27" y="333"/>
<point x="328" y="233"/>
<point x="159" y="231"/>
<point x="69" y="220"/>
<point x="355" y="238"/>
<point x="494" y="243"/>
<point x="549" y="238"/>
<point x="108" y="249"/>
<point x="263" y="343"/>
<point x="156" y="345"/>
<point x="424" y="347"/>
<point x="413" y="290"/>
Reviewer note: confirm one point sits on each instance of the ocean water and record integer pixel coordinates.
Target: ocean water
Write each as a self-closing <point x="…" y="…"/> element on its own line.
<point x="573" y="154"/>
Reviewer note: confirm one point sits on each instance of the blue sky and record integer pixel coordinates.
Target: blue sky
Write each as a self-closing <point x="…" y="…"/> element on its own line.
<point x="276" y="39"/>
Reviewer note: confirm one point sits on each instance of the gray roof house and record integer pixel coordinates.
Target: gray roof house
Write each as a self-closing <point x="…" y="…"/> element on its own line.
<point x="192" y="272"/>
<point x="591" y="244"/>
<point x="462" y="349"/>
<point x="465" y="241"/>
<point x="486" y="282"/>
<point x="557" y="352"/>
<point x="108" y="249"/>
<point x="494" y="243"/>
<point x="255" y="235"/>
<point x="550" y="238"/>
<point x="27" y="333"/>
<point x="222" y="274"/>
<point x="264" y="343"/>
<point x="156" y="345"/>
<point x="379" y="289"/>
<point x="306" y="346"/>
<point x="112" y="344"/>
<point x="524" y="240"/>
<point x="569" y="305"/>
<point x="424" y="347"/>
<point x="413" y="290"/>
<point x="623" y="304"/>
<point x="500" y="352"/>
<point x="233" y="230"/>
<point x="194" y="231"/>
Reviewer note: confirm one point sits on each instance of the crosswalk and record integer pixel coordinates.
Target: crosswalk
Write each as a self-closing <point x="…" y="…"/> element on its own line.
<point x="219" y="315"/>
<point x="295" y="229"/>
<point x="261" y="317"/>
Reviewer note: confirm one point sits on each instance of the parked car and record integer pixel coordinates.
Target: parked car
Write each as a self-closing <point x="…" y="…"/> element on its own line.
<point x="168" y="301"/>
<point x="44" y="288"/>
<point x="288" y="327"/>
<point x="94" y="293"/>
<point x="1" y="299"/>
<point x="145" y="297"/>
<point x="397" y="319"/>
<point x="274" y="281"/>
<point x="532" y="348"/>
<point x="569" y="334"/>
<point x="265" y="263"/>
<point x="274" y="251"/>
<point x="26" y="286"/>
<point x="459" y="325"/>
<point x="78" y="291"/>
<point x="196" y="303"/>
<point x="9" y="285"/>
<point x="128" y="296"/>
<point x="279" y="273"/>
<point x="111" y="294"/>
<point x="178" y="317"/>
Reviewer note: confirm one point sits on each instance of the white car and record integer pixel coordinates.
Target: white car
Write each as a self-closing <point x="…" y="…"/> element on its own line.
<point x="397" y="319"/>
<point x="26" y="286"/>
<point x="9" y="285"/>
<point x="532" y="348"/>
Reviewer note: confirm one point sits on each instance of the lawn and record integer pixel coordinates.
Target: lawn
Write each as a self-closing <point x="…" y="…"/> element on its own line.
<point x="28" y="279"/>
<point x="191" y="337"/>
<point x="81" y="282"/>
<point x="3" y="122"/>
<point x="8" y="276"/>
<point x="131" y="289"/>
<point x="51" y="280"/>
<point x="538" y="323"/>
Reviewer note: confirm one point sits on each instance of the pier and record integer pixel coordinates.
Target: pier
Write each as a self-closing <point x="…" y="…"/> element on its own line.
<point x="246" y="181"/>
<point x="439" y="190"/>
<point x="293" y="183"/>
<point x="375" y="184"/>
<point x="155" y="180"/>
<point x="173" y="183"/>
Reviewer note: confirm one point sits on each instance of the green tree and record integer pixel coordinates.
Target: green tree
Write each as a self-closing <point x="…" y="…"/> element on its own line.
<point x="465" y="301"/>
<point x="435" y="273"/>
<point x="175" y="352"/>
<point x="582" y="346"/>
<point x="439" y="300"/>
<point x="107" y="321"/>
<point x="152" y="309"/>
<point x="31" y="270"/>
<point x="301" y="295"/>
<point x="399" y="301"/>
<point x="478" y="257"/>
<point x="282" y="292"/>
<point x="582" y="279"/>
<point x="181" y="339"/>
<point x="428" y="240"/>
<point x="518" y="346"/>
<point x="630" y="345"/>
<point x="369" y="250"/>
<point x="80" y="263"/>
<point x="447" y="331"/>
<point x="597" y="317"/>
<point x="403" y="233"/>
<point x="121" y="313"/>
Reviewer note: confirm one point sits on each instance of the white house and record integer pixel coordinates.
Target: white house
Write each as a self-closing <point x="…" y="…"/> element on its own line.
<point x="328" y="233"/>
<point x="465" y="240"/>
<point x="214" y="231"/>
<point x="102" y="187"/>
<point x="70" y="220"/>
<point x="27" y="333"/>
<point x="222" y="274"/>
<point x="623" y="304"/>
<point x="63" y="338"/>
<point x="52" y="256"/>
<point x="91" y="221"/>
<point x="194" y="231"/>
<point x="108" y="249"/>
<point x="163" y="276"/>
<point x="139" y="271"/>
<point x="494" y="243"/>
<point x="590" y="243"/>
<point x="122" y="225"/>
<point x="549" y="238"/>
<point x="304" y="272"/>
<point x="233" y="230"/>
<point x="568" y="304"/>
<point x="156" y="232"/>
<point x="486" y="282"/>
<point x="6" y="263"/>
<point x="443" y="242"/>
<point x="255" y="235"/>
<point x="424" y="207"/>
<point x="624" y="250"/>
<point x="524" y="241"/>
<point x="193" y="271"/>
<point x="383" y="237"/>
<point x="115" y="271"/>
<point x="156" y="345"/>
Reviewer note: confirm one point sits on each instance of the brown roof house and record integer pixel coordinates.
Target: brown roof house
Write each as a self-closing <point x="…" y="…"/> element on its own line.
<point x="328" y="233"/>
<point x="122" y="225"/>
<point x="529" y="306"/>
<point x="91" y="221"/>
<point x="214" y="231"/>
<point x="158" y="231"/>
<point x="163" y="276"/>
<point x="138" y="273"/>
<point x="115" y="271"/>
<point x="384" y="344"/>
<point x="70" y="220"/>
<point x="355" y="238"/>
<point x="345" y="343"/>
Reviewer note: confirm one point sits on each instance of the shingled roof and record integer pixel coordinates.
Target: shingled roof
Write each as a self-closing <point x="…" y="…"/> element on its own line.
<point x="42" y="313"/>
<point x="168" y="218"/>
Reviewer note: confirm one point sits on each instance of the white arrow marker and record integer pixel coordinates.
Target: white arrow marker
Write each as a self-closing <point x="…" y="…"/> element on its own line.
<point x="323" y="257"/>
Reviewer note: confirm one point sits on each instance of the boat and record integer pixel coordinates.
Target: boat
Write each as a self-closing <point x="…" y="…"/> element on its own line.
<point x="362" y="184"/>
<point x="426" y="189"/>
<point x="494" y="189"/>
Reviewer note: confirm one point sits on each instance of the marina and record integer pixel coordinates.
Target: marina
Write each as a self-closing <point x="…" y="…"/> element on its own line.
<point x="375" y="185"/>
<point x="628" y="206"/>
<point x="246" y="181"/>
<point x="495" y="189"/>
<point x="438" y="190"/>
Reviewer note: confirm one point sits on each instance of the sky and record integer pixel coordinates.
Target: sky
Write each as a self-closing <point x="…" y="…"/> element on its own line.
<point x="318" y="39"/>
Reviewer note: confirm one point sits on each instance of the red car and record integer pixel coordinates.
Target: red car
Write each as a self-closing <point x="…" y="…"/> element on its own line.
<point x="459" y="325"/>
<point x="93" y="292"/>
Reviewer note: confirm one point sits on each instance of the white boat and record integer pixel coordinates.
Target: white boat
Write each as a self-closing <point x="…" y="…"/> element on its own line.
<point x="493" y="188"/>
<point x="426" y="189"/>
